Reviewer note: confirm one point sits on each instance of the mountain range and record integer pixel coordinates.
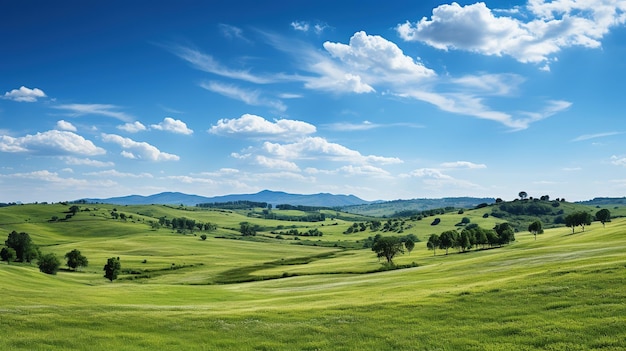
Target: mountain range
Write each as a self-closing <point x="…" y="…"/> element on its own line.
<point x="271" y="197"/>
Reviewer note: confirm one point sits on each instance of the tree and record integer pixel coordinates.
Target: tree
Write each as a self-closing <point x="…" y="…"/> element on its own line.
<point x="603" y="216"/>
<point x="25" y="249"/>
<point x="7" y="254"/>
<point x="203" y="237"/>
<point x="580" y="218"/>
<point x="536" y="228"/>
<point x="433" y="243"/>
<point x="247" y="229"/>
<point x="49" y="263"/>
<point x="523" y="195"/>
<point x="112" y="268"/>
<point x="75" y="259"/>
<point x="409" y="244"/>
<point x="464" y="240"/>
<point x="505" y="233"/>
<point x="74" y="209"/>
<point x="388" y="247"/>
<point x="447" y="240"/>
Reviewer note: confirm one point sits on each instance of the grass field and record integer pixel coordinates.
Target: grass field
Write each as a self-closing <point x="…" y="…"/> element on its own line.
<point x="562" y="291"/>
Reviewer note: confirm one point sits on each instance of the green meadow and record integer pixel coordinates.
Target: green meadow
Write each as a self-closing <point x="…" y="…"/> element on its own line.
<point x="562" y="291"/>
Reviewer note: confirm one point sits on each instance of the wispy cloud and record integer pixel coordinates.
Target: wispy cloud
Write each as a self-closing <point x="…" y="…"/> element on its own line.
<point x="366" y="125"/>
<point x="232" y="32"/>
<point x="24" y="94"/>
<point x="595" y="136"/>
<point x="76" y="110"/>
<point x="74" y="161"/>
<point x="207" y="63"/>
<point x="117" y="174"/>
<point x="463" y="165"/>
<point x="250" y="97"/>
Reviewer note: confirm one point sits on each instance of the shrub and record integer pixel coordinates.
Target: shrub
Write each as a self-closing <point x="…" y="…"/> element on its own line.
<point x="49" y="263"/>
<point x="436" y="221"/>
<point x="203" y="237"/>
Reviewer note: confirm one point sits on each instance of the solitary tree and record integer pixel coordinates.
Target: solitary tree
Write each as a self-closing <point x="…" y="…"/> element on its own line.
<point x="25" y="249"/>
<point x="388" y="247"/>
<point x="433" y="243"/>
<point x="112" y="268"/>
<point x="603" y="216"/>
<point x="203" y="237"/>
<point x="536" y="228"/>
<point x="523" y="195"/>
<point x="409" y="244"/>
<point x="75" y="259"/>
<point x="49" y="263"/>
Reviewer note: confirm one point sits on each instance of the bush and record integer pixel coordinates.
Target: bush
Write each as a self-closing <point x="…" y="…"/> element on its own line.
<point x="436" y="221"/>
<point x="49" y="263"/>
<point x="203" y="237"/>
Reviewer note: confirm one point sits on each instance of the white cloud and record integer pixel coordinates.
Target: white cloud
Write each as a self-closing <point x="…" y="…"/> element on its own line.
<point x="276" y="164"/>
<point x="463" y="165"/>
<point x="435" y="178"/>
<point x="376" y="58"/>
<point x="85" y="162"/>
<point x="95" y="109"/>
<point x="250" y="97"/>
<point x="52" y="142"/>
<point x="256" y="126"/>
<point x="132" y="127"/>
<point x="58" y="181"/>
<point x="301" y="26"/>
<point x="553" y="26"/>
<point x="117" y="174"/>
<point x="208" y="64"/>
<point x="24" y="94"/>
<point x="232" y="32"/>
<point x="139" y="150"/>
<point x="64" y="125"/>
<point x="595" y="136"/>
<point x="316" y="148"/>
<point x="618" y="160"/>
<point x="173" y="125"/>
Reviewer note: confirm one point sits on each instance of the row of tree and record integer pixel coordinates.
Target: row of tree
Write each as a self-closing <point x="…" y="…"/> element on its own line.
<point x="472" y="236"/>
<point x="183" y="224"/>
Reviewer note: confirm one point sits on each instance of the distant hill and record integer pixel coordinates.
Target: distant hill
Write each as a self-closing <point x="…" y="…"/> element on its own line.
<point x="603" y="201"/>
<point x="389" y="208"/>
<point x="271" y="197"/>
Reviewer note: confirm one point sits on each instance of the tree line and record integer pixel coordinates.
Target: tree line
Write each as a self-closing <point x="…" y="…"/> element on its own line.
<point x="472" y="236"/>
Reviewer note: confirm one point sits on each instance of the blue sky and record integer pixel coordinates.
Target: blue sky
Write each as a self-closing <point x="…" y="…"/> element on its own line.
<point x="383" y="100"/>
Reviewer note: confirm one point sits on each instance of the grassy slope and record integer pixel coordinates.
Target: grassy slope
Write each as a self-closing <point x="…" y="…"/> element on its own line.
<point x="561" y="292"/>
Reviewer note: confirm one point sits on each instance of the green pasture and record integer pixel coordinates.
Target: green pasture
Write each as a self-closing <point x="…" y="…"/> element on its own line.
<point x="562" y="291"/>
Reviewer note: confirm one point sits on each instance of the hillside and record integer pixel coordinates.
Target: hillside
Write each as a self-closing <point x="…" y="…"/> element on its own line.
<point x="230" y="292"/>
<point x="392" y="208"/>
<point x="271" y="197"/>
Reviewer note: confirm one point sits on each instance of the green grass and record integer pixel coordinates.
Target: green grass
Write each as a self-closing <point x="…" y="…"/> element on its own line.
<point x="562" y="291"/>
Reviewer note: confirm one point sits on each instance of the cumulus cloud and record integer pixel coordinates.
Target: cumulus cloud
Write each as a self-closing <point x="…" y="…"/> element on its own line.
<point x="436" y="178"/>
<point x="276" y="163"/>
<point x="139" y="150"/>
<point x="377" y="58"/>
<point x="256" y="126"/>
<point x="95" y="109"/>
<point x="304" y="26"/>
<point x="250" y="97"/>
<point x="132" y="127"/>
<point x="320" y="148"/>
<point x="173" y="125"/>
<point x="64" y="125"/>
<point x="52" y="142"/>
<point x="551" y="27"/>
<point x="24" y="94"/>
<point x="618" y="160"/>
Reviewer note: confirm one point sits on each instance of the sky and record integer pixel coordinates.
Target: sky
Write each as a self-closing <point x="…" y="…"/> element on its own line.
<point x="382" y="100"/>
